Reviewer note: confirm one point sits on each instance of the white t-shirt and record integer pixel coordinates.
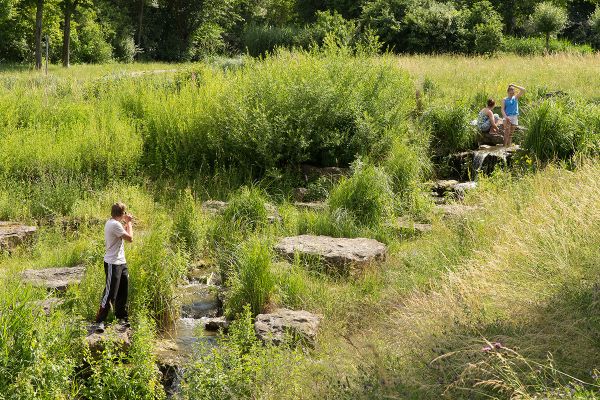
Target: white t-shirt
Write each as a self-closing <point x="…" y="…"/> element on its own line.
<point x="113" y="239"/>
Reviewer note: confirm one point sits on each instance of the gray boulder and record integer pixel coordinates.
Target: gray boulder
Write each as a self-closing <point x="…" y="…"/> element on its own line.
<point x="13" y="234"/>
<point x="337" y="252"/>
<point x="298" y="325"/>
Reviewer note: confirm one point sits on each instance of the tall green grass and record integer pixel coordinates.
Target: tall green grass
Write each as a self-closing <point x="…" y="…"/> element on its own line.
<point x="366" y="196"/>
<point x="290" y="108"/>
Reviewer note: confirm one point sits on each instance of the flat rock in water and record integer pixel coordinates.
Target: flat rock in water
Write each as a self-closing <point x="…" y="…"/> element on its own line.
<point x="54" y="278"/>
<point x="12" y="234"/>
<point x="275" y="326"/>
<point x="334" y="251"/>
<point x="119" y="334"/>
<point x="199" y="300"/>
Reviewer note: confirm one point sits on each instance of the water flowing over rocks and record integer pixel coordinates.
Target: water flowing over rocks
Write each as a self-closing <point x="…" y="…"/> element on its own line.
<point x="13" y="234"/>
<point x="199" y="300"/>
<point x="337" y="252"/>
<point x="468" y="164"/>
<point x="54" y="278"/>
<point x="299" y="325"/>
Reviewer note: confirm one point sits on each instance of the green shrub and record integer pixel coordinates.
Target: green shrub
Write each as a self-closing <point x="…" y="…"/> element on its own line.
<point x="242" y="367"/>
<point x="550" y="132"/>
<point x="366" y="195"/>
<point x="38" y="354"/>
<point x="450" y="128"/>
<point x="485" y="28"/>
<point x="154" y="269"/>
<point x="432" y="26"/>
<point x="587" y="125"/>
<point x="186" y="226"/>
<point x="251" y="282"/>
<point x="536" y="46"/>
<point x="125" y="375"/>
<point x="259" y="40"/>
<point x="247" y="208"/>
<point x="321" y="109"/>
<point x="594" y="23"/>
<point x="404" y="166"/>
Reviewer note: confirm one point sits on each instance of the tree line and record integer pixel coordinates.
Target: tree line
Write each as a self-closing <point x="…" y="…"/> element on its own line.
<point x="96" y="31"/>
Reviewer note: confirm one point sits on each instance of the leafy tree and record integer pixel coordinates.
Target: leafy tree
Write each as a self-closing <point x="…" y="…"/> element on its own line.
<point x="548" y="20"/>
<point x="594" y="23"/>
<point x="484" y="27"/>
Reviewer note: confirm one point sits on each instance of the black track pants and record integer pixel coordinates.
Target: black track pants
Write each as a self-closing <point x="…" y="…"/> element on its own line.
<point x="115" y="292"/>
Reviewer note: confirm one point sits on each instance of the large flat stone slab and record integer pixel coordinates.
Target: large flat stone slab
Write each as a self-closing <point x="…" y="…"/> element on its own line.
<point x="13" y="234"/>
<point x="301" y="326"/>
<point x="339" y="252"/>
<point x="54" y="278"/>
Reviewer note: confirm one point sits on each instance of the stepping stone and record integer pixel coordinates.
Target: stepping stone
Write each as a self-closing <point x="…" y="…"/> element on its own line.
<point x="54" y="278"/>
<point x="49" y="304"/>
<point x="337" y="252"/>
<point x="456" y="210"/>
<point x="199" y="300"/>
<point x="300" y="325"/>
<point x="216" y="207"/>
<point x="445" y="187"/>
<point x="119" y="334"/>
<point x="414" y="227"/>
<point x="312" y="206"/>
<point x="13" y="234"/>
<point x="311" y="172"/>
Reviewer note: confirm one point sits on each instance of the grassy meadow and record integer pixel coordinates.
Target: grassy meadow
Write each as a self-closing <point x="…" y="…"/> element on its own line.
<point x="502" y="303"/>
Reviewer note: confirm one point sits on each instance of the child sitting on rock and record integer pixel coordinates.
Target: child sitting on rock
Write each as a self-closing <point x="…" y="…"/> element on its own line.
<point x="487" y="121"/>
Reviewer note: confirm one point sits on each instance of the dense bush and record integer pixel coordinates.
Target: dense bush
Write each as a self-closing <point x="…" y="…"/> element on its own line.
<point x="186" y="226"/>
<point x="536" y="46"/>
<point x="258" y="40"/>
<point x="450" y="128"/>
<point x="550" y="132"/>
<point x="252" y="281"/>
<point x="594" y="23"/>
<point x="366" y="196"/>
<point x="247" y="208"/>
<point x="322" y="109"/>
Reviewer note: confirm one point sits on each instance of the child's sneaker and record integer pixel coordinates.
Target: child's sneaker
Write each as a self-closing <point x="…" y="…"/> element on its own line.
<point x="124" y="322"/>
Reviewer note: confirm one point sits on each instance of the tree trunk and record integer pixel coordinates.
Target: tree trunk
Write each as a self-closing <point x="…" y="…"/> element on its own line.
<point x="38" y="34"/>
<point x="140" y="23"/>
<point x="67" y="34"/>
<point x="547" y="42"/>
